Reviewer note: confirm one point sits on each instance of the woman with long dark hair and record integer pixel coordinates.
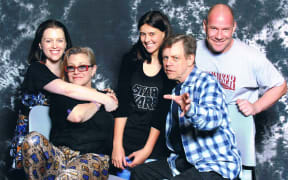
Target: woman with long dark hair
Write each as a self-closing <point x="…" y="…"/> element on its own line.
<point x="142" y="83"/>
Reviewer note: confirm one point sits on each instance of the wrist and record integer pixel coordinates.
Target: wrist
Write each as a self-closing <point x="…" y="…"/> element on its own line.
<point x="257" y="108"/>
<point x="117" y="144"/>
<point x="147" y="150"/>
<point x="97" y="104"/>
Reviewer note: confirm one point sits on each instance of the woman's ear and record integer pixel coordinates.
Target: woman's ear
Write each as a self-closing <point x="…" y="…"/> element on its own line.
<point x="94" y="69"/>
<point x="40" y="46"/>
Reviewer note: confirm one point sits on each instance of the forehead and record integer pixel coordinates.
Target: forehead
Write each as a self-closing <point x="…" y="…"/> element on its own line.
<point x="148" y="28"/>
<point x="220" y="17"/>
<point x="53" y="32"/>
<point x="80" y="58"/>
<point x="175" y="49"/>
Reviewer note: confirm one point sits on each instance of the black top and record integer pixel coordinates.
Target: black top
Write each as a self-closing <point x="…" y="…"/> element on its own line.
<point x="92" y="136"/>
<point x="141" y="100"/>
<point x="37" y="76"/>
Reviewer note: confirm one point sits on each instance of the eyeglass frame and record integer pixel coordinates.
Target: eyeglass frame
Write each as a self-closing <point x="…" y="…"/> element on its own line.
<point x="77" y="67"/>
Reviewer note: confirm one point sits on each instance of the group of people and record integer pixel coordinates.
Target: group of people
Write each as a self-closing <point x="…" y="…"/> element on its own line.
<point x="182" y="110"/>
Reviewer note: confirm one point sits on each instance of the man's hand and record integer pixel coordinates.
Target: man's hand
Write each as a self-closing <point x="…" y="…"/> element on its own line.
<point x="246" y="107"/>
<point x="183" y="101"/>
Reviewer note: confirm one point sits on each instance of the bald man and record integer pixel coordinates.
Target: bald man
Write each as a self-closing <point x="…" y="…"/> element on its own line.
<point x="242" y="71"/>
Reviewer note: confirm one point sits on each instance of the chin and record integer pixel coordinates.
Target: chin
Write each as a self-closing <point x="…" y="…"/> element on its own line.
<point x="171" y="77"/>
<point x="217" y="50"/>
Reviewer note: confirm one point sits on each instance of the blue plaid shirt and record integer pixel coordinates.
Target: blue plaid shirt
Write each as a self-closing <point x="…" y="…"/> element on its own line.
<point x="209" y="143"/>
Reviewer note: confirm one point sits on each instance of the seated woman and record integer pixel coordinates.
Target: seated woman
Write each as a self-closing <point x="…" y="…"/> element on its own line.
<point x="43" y="78"/>
<point x="79" y="136"/>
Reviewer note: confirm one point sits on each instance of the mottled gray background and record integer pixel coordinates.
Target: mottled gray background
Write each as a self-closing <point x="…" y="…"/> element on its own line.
<point x="109" y="27"/>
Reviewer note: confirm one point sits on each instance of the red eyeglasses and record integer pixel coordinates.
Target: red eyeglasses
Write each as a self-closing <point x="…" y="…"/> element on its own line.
<point x="80" y="68"/>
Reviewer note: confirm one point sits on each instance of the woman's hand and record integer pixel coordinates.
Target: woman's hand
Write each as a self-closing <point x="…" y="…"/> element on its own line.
<point x="139" y="157"/>
<point x="111" y="93"/>
<point x="118" y="157"/>
<point x="112" y="104"/>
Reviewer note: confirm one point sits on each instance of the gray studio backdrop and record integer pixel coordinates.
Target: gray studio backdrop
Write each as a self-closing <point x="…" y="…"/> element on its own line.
<point x="109" y="27"/>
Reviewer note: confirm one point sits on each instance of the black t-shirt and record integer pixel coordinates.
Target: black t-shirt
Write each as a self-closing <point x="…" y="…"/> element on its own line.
<point x="92" y="136"/>
<point x="141" y="100"/>
<point x="37" y="76"/>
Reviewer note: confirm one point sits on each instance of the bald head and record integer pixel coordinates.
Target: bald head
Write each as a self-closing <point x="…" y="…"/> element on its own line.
<point x="220" y="9"/>
<point x="219" y="27"/>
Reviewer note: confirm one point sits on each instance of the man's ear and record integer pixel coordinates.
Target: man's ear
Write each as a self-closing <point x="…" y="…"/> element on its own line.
<point x="204" y="24"/>
<point x="234" y="26"/>
<point x="191" y="59"/>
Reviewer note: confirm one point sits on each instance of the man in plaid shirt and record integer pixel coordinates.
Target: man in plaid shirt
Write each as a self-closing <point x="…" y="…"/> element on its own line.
<point x="198" y="131"/>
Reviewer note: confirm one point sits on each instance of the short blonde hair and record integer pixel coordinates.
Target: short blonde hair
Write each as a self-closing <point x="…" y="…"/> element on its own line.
<point x="77" y="50"/>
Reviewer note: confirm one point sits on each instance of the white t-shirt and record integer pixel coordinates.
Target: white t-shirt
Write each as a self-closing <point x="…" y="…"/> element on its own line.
<point x="243" y="72"/>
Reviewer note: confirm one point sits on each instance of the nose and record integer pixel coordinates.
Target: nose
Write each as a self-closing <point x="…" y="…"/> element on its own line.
<point x="76" y="71"/>
<point x="219" y="34"/>
<point x="147" y="38"/>
<point x="54" y="45"/>
<point x="168" y="62"/>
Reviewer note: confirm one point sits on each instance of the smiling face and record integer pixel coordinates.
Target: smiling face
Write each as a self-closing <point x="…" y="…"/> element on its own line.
<point x="176" y="65"/>
<point x="80" y="78"/>
<point x="53" y="44"/>
<point x="151" y="38"/>
<point x="219" y="28"/>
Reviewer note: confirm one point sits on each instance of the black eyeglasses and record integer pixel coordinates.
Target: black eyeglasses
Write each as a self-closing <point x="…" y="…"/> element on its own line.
<point x="80" y="68"/>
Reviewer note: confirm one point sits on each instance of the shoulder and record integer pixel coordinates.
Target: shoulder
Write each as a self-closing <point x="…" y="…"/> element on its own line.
<point x="198" y="78"/>
<point x="201" y="45"/>
<point x="37" y="67"/>
<point x="129" y="63"/>
<point x="241" y="46"/>
<point x="37" y="64"/>
<point x="202" y="75"/>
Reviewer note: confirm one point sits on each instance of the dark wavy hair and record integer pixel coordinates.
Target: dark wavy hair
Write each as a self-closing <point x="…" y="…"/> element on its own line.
<point x="157" y="20"/>
<point x="35" y="53"/>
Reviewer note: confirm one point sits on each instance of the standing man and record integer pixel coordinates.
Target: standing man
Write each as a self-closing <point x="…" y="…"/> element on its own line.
<point x="198" y="130"/>
<point x="242" y="72"/>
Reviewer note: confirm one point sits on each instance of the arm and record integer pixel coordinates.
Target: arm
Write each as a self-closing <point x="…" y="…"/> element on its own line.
<point x="263" y="103"/>
<point x="59" y="86"/>
<point x="205" y="112"/>
<point x="141" y="155"/>
<point x="118" y="153"/>
<point x="83" y="112"/>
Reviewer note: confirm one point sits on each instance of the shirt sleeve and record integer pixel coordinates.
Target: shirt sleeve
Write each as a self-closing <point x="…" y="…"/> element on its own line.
<point x="124" y="93"/>
<point x="37" y="76"/>
<point x="208" y="107"/>
<point x="267" y="75"/>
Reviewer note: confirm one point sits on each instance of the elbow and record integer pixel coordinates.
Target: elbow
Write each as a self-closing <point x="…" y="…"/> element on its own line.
<point x="75" y="118"/>
<point x="284" y="91"/>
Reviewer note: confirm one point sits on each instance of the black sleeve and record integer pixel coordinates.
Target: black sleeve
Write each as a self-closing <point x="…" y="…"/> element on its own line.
<point x="123" y="92"/>
<point x="61" y="106"/>
<point x="37" y="76"/>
